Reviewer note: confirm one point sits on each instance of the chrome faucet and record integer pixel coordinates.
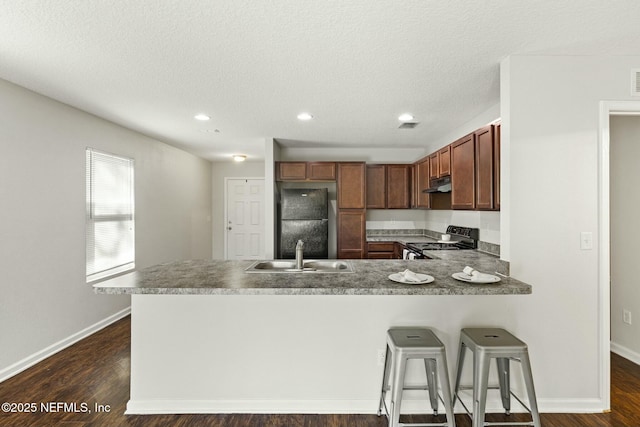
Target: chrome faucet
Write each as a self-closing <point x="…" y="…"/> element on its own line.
<point x="299" y="257"/>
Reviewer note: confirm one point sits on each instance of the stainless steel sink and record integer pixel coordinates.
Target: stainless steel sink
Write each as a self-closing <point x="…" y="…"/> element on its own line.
<point x="309" y="266"/>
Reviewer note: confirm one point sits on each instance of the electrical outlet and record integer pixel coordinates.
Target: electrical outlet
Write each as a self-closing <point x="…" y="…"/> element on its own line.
<point x="380" y="356"/>
<point x="626" y="316"/>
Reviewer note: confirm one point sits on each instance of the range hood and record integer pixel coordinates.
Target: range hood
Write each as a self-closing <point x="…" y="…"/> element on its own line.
<point x="439" y="185"/>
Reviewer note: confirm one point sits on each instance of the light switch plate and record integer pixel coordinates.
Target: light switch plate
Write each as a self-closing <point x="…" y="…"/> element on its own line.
<point x="586" y="240"/>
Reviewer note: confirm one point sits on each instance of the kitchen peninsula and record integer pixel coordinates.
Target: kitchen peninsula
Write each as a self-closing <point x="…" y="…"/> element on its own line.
<point x="208" y="337"/>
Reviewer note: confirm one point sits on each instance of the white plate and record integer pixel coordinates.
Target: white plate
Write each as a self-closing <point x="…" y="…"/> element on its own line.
<point x="424" y="278"/>
<point x="470" y="279"/>
<point x="449" y="241"/>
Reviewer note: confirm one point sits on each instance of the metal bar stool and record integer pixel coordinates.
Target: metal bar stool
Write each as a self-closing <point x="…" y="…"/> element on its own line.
<point x="415" y="343"/>
<point x="485" y="344"/>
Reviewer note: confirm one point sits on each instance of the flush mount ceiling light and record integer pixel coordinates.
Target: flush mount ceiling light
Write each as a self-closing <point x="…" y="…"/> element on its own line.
<point x="239" y="157"/>
<point x="305" y="116"/>
<point x="406" y="117"/>
<point x="202" y="117"/>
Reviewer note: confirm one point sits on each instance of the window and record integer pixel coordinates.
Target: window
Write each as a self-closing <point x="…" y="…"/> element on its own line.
<point x="110" y="218"/>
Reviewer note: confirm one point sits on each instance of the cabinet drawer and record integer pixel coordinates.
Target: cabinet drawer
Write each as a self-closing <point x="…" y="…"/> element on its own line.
<point x="380" y="246"/>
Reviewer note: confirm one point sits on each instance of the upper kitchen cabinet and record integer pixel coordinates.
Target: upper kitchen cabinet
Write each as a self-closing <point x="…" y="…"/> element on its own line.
<point x="485" y="168"/>
<point x="376" y="187"/>
<point x="496" y="166"/>
<point x="440" y="163"/>
<point x="398" y="186"/>
<point x="291" y="171"/>
<point x="421" y="182"/>
<point x="389" y="186"/>
<point x="463" y="188"/>
<point x="306" y="171"/>
<point x="351" y="185"/>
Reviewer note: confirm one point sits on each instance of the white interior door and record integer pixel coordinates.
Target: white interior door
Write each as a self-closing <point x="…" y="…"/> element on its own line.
<point x="245" y="228"/>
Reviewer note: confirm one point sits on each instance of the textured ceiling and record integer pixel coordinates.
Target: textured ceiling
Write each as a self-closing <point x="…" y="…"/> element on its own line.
<point x="254" y="65"/>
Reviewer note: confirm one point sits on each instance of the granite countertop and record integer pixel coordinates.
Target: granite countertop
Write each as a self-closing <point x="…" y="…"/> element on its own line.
<point x="219" y="277"/>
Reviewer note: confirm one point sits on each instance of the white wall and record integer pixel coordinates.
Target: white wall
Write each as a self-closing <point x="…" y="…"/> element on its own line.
<point x="45" y="298"/>
<point x="550" y="112"/>
<point x="625" y="235"/>
<point x="220" y="171"/>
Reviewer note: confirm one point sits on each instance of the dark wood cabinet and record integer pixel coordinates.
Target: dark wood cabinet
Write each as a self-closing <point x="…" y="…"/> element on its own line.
<point x="351" y="216"/>
<point x="376" y="187"/>
<point x="398" y="187"/>
<point x="434" y="166"/>
<point x="291" y="171"/>
<point x="380" y="250"/>
<point x="321" y="171"/>
<point x="351" y="233"/>
<point x="397" y="250"/>
<point x="389" y="186"/>
<point x="306" y="171"/>
<point x="421" y="182"/>
<point x="351" y="185"/>
<point x="496" y="166"/>
<point x="484" y="165"/>
<point x="444" y="161"/>
<point x="463" y="187"/>
<point x="440" y="163"/>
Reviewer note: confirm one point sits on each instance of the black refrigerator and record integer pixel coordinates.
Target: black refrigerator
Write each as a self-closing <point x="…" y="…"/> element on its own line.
<point x="304" y="215"/>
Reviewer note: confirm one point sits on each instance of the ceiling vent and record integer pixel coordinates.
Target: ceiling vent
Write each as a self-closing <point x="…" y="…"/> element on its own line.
<point x="635" y="82"/>
<point x="411" y="125"/>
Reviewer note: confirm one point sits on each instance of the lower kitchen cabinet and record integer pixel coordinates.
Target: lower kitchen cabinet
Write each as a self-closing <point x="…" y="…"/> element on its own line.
<point x="351" y="233"/>
<point x="380" y="250"/>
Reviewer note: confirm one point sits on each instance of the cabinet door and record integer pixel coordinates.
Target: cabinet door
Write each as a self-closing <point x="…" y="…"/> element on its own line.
<point x="398" y="187"/>
<point x="422" y="183"/>
<point x="292" y="171"/>
<point x="351" y="185"/>
<point x="351" y="232"/>
<point x="496" y="166"/>
<point x="376" y="187"/>
<point x="321" y="171"/>
<point x="484" y="168"/>
<point x="463" y="186"/>
<point x="444" y="161"/>
<point x="434" y="166"/>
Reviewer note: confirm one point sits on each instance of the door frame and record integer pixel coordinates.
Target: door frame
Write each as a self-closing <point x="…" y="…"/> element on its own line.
<point x="607" y="109"/>
<point x="226" y="207"/>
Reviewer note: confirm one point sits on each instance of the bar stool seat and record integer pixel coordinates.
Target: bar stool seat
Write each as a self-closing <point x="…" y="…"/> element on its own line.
<point x="487" y="344"/>
<point x="415" y="343"/>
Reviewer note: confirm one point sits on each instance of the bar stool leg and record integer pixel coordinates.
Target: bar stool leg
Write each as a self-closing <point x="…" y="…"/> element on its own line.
<point x="531" y="392"/>
<point x="385" y="380"/>
<point x="480" y="385"/>
<point x="446" y="389"/>
<point x="432" y="383"/>
<point x="505" y="383"/>
<point x="461" y="353"/>
<point x="396" y="390"/>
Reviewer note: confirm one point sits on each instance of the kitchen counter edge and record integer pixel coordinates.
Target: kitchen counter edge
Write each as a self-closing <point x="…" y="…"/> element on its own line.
<point x="219" y="277"/>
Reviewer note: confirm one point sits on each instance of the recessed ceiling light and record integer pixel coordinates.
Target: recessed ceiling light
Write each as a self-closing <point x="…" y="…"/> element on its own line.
<point x="305" y="116"/>
<point x="202" y="117"/>
<point x="406" y="117"/>
<point x="239" y="157"/>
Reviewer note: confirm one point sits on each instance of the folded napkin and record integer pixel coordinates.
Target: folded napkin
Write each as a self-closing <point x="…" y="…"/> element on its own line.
<point x="410" y="276"/>
<point x="476" y="275"/>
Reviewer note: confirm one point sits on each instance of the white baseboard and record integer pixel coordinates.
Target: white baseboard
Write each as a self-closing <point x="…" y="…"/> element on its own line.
<point x="31" y="360"/>
<point x="409" y="406"/>
<point x="625" y="352"/>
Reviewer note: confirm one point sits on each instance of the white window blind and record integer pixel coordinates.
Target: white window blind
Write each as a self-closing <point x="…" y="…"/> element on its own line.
<point x="110" y="233"/>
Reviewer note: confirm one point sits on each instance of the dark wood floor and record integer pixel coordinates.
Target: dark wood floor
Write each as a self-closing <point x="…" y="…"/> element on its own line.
<point x="96" y="371"/>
